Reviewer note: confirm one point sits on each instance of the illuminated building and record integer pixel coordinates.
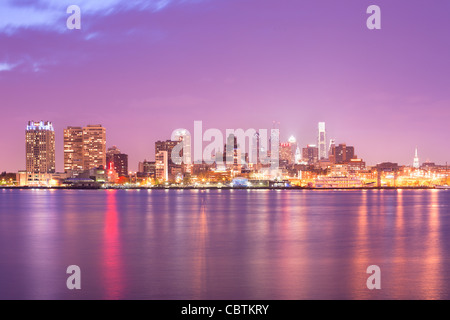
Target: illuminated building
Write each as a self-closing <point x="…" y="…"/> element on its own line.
<point x="173" y="169"/>
<point x="322" y="141"/>
<point x="40" y="147"/>
<point x="389" y="170"/>
<point x="183" y="136"/>
<point x="286" y="155"/>
<point x="162" y="166"/>
<point x="331" y="150"/>
<point x="117" y="161"/>
<point x="310" y="154"/>
<point x="356" y="165"/>
<point x="254" y="157"/>
<point x="94" y="147"/>
<point x="147" y="169"/>
<point x="167" y="145"/>
<point x="298" y="156"/>
<point x="233" y="157"/>
<point x="73" y="149"/>
<point x="338" y="182"/>
<point x="343" y="153"/>
<point x="416" y="163"/>
<point x="294" y="146"/>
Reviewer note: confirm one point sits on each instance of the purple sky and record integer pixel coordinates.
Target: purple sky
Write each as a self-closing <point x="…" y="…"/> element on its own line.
<point x="144" y="68"/>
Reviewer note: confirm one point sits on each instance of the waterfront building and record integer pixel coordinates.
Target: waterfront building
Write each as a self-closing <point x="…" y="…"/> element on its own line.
<point x="183" y="136"/>
<point x="162" y="166"/>
<point x="117" y="161"/>
<point x="40" y="147"/>
<point x="94" y="147"/>
<point x="73" y="149"/>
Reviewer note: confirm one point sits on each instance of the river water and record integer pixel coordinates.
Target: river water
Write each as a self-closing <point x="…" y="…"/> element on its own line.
<point x="224" y="244"/>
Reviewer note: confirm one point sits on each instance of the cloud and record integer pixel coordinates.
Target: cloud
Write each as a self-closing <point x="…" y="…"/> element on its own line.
<point x="51" y="14"/>
<point x="5" y="66"/>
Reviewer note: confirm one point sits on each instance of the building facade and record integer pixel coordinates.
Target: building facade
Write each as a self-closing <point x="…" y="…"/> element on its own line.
<point x="94" y="147"/>
<point x="310" y="154"/>
<point x="162" y="166"/>
<point x="322" y="142"/>
<point x="117" y="161"/>
<point x="40" y="147"/>
<point x="73" y="149"/>
<point x="343" y="153"/>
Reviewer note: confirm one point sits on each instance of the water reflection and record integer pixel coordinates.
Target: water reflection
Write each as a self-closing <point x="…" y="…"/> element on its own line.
<point x="431" y="279"/>
<point x="225" y="245"/>
<point x="200" y="257"/>
<point x="112" y="256"/>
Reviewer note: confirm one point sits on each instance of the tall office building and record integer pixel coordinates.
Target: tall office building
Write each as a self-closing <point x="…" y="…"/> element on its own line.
<point x="183" y="136"/>
<point x="286" y="154"/>
<point x="40" y="147"/>
<point x="173" y="169"/>
<point x="322" y="142"/>
<point x="94" y="147"/>
<point x="254" y="152"/>
<point x="117" y="161"/>
<point x="416" y="163"/>
<point x="233" y="154"/>
<point x="168" y="146"/>
<point x="343" y="154"/>
<point x="293" y="142"/>
<point x="162" y="165"/>
<point x="310" y="154"/>
<point x="331" y="150"/>
<point x="73" y="149"/>
<point x="84" y="148"/>
<point x="298" y="156"/>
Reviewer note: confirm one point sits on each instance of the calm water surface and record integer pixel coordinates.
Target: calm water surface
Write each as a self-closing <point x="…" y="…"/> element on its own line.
<point x="238" y="244"/>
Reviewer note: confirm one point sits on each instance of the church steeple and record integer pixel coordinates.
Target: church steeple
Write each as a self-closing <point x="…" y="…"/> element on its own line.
<point x="416" y="163"/>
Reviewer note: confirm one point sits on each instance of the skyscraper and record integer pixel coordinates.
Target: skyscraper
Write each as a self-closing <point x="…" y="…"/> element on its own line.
<point x="254" y="152"/>
<point x="286" y="154"/>
<point x="167" y="146"/>
<point x="162" y="165"/>
<point x="73" y="149"/>
<point x="310" y="154"/>
<point x="293" y="142"/>
<point x="322" y="142"/>
<point x="343" y="153"/>
<point x="416" y="163"/>
<point x="331" y="150"/>
<point x="233" y="154"/>
<point x="40" y="147"/>
<point x="94" y="147"/>
<point x="298" y="156"/>
<point x="183" y="136"/>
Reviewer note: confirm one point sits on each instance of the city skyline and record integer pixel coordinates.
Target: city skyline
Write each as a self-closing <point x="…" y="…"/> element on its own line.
<point x="144" y="71"/>
<point x="88" y="145"/>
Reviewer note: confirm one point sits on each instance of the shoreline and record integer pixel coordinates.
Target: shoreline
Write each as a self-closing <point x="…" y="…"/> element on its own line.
<point x="214" y="188"/>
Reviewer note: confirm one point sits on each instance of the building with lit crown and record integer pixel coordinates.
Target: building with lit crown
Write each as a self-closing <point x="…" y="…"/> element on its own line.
<point x="40" y="147"/>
